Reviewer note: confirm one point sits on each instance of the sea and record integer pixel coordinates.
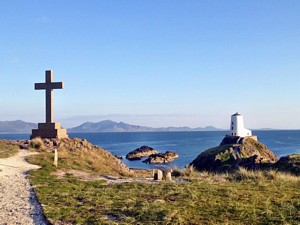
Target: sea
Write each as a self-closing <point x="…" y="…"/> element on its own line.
<point x="187" y="144"/>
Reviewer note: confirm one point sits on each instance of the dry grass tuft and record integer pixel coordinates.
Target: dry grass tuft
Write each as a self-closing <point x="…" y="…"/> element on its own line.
<point x="281" y="176"/>
<point x="244" y="174"/>
<point x="37" y="143"/>
<point x="261" y="176"/>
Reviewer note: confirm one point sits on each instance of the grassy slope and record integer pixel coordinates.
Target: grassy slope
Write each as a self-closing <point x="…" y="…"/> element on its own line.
<point x="83" y="156"/>
<point x="8" y="150"/>
<point x="248" y="198"/>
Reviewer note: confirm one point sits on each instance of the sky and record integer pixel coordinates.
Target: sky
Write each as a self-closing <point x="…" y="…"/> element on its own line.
<point x="153" y="62"/>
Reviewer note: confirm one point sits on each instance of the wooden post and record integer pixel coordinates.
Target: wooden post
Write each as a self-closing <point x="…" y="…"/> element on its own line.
<point x="55" y="158"/>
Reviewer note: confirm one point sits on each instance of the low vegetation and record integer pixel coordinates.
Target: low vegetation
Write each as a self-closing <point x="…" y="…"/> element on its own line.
<point x="7" y="150"/>
<point x="78" y="154"/>
<point x="37" y="143"/>
<point x="244" y="197"/>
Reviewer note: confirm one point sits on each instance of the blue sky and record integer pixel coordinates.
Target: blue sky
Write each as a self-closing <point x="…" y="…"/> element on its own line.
<point x="153" y="63"/>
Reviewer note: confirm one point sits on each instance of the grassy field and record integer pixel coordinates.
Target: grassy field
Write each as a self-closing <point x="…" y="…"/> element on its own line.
<point x="8" y="150"/>
<point x="242" y="198"/>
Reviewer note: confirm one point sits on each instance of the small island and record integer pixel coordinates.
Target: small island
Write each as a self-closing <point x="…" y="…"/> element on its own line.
<point x="154" y="157"/>
<point x="166" y="157"/>
<point x="140" y="153"/>
<point x="234" y="153"/>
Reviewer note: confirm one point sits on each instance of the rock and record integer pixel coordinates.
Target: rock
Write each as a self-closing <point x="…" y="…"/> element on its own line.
<point x="141" y="152"/>
<point x="118" y="157"/>
<point x="290" y="163"/>
<point x="235" y="153"/>
<point x="161" y="157"/>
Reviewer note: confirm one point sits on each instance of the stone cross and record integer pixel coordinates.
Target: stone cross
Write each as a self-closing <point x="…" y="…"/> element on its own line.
<point x="49" y="86"/>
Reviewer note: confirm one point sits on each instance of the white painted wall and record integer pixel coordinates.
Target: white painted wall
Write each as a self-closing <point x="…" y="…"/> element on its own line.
<point x="237" y="126"/>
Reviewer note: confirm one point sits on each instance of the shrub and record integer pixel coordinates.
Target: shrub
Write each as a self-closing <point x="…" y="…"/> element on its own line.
<point x="37" y="143"/>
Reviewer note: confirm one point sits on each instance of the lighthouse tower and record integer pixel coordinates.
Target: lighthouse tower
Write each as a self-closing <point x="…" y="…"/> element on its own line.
<point x="237" y="126"/>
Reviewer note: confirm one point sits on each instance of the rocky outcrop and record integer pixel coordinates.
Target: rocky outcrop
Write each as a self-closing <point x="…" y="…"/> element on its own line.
<point x="290" y="163"/>
<point x="161" y="157"/>
<point x="235" y="153"/>
<point x="140" y="153"/>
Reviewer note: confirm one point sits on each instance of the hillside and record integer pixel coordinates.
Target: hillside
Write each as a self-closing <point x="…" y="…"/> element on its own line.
<point x="233" y="153"/>
<point x="83" y="189"/>
<point x="21" y="127"/>
<point x="69" y="195"/>
<point x="77" y="154"/>
<point x="111" y="126"/>
<point x="16" y="127"/>
<point x="107" y="126"/>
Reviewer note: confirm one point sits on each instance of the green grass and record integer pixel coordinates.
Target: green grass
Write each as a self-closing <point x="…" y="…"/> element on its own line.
<point x="95" y="160"/>
<point x="245" y="197"/>
<point x="8" y="150"/>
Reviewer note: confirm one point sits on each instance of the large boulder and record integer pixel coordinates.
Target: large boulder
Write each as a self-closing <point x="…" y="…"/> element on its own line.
<point x="140" y="153"/>
<point x="166" y="157"/>
<point x="234" y="153"/>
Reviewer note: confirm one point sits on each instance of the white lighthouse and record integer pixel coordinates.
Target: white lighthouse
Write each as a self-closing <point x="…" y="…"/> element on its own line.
<point x="237" y="126"/>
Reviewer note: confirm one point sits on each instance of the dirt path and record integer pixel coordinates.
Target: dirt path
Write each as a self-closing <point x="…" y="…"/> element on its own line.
<point x="18" y="204"/>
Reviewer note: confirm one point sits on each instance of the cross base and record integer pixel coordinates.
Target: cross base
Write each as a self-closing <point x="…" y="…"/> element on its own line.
<point x="49" y="130"/>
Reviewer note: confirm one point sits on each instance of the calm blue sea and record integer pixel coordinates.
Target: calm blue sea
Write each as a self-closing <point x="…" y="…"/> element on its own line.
<point x="187" y="144"/>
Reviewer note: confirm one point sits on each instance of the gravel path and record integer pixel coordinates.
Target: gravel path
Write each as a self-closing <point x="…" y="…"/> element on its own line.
<point x="18" y="204"/>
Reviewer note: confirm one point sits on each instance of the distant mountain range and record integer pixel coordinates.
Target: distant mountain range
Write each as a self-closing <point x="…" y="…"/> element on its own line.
<point x="16" y="127"/>
<point x="21" y="127"/>
<point x="111" y="126"/>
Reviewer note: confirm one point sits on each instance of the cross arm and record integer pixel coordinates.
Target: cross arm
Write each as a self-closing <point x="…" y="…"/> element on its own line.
<point x="57" y="85"/>
<point x="54" y="85"/>
<point x="40" y="86"/>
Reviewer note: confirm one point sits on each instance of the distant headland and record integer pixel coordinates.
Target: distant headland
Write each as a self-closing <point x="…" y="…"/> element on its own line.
<point x="19" y="126"/>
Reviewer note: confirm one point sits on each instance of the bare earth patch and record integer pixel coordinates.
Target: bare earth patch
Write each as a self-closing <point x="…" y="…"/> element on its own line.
<point x="18" y="203"/>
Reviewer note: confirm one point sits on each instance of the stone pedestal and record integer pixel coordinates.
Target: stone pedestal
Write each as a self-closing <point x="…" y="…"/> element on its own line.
<point x="49" y="130"/>
<point x="162" y="172"/>
<point x="157" y="174"/>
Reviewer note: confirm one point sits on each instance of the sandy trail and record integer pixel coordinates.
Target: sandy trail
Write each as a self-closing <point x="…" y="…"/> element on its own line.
<point x="18" y="203"/>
